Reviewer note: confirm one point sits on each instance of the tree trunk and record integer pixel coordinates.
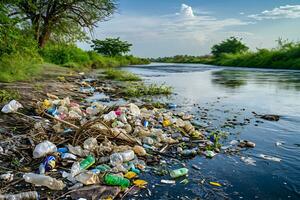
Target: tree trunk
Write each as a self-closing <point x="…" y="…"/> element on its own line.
<point x="44" y="37"/>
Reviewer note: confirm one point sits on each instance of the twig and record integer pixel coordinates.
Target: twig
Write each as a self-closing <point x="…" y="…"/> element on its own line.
<point x="62" y="121"/>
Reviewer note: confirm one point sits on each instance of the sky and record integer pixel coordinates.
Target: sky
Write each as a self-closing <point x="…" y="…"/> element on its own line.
<point x="159" y="28"/>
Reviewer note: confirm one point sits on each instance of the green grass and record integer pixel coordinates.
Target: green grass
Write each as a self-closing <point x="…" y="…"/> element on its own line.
<point x="282" y="57"/>
<point x="120" y="75"/>
<point x="139" y="90"/>
<point x="8" y="95"/>
<point x="18" y="67"/>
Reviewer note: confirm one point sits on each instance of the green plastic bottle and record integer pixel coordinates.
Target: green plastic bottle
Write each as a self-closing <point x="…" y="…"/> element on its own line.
<point x="86" y="163"/>
<point x="179" y="172"/>
<point x="103" y="168"/>
<point x="111" y="179"/>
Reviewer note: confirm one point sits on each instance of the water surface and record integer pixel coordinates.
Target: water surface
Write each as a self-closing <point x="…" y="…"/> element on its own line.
<point x="234" y="93"/>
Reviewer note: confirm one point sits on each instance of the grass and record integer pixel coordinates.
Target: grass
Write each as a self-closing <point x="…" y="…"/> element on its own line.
<point x="120" y="75"/>
<point x="285" y="56"/>
<point x="18" y="67"/>
<point x="8" y="95"/>
<point x="139" y="90"/>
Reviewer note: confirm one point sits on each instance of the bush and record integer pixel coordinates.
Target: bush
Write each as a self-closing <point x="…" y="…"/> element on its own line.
<point x="61" y="54"/>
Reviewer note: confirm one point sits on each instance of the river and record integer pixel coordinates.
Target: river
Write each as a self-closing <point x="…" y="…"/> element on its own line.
<point x="216" y="95"/>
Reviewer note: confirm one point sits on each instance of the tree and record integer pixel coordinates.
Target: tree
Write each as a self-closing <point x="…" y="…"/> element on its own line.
<point x="232" y="45"/>
<point x="111" y="46"/>
<point x="67" y="19"/>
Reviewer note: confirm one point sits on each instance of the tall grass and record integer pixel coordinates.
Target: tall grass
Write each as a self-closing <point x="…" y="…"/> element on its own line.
<point x="121" y="75"/>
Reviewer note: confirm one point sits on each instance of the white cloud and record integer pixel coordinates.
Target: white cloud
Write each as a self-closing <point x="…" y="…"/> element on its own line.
<point x="282" y="12"/>
<point x="186" y="11"/>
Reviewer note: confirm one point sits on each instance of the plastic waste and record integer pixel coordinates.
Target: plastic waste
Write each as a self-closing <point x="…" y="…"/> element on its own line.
<point x="43" y="149"/>
<point x="87" y="178"/>
<point x="215" y="184"/>
<point x="209" y="154"/>
<point x="130" y="175"/>
<point x="7" y="177"/>
<point x="110" y="116"/>
<point x="271" y="158"/>
<point x="68" y="156"/>
<point x="31" y="195"/>
<point x="140" y="151"/>
<point x="43" y="180"/>
<point x="111" y="179"/>
<point x="168" y="181"/>
<point x="48" y="164"/>
<point x="189" y="152"/>
<point x="76" y="186"/>
<point x="248" y="160"/>
<point x="11" y="107"/>
<point x="116" y="159"/>
<point x="140" y="183"/>
<point x="62" y="150"/>
<point x="103" y="168"/>
<point x="75" y="169"/>
<point x="166" y="123"/>
<point x="134" y="109"/>
<point x="127" y="155"/>
<point x="90" y="144"/>
<point x="172" y="106"/>
<point x="148" y="140"/>
<point x="179" y="172"/>
<point x="87" y="162"/>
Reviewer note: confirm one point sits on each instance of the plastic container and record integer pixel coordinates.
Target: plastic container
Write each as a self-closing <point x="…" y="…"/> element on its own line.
<point x="32" y="195"/>
<point x="103" y="168"/>
<point x="43" y="149"/>
<point x="39" y="179"/>
<point x="116" y="159"/>
<point x="179" y="172"/>
<point x="189" y="152"/>
<point x="127" y="155"/>
<point x="111" y="179"/>
<point x="88" y="162"/>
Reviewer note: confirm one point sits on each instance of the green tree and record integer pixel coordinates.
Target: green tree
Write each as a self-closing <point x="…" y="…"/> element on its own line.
<point x="111" y="46"/>
<point x="231" y="45"/>
<point x="63" y="19"/>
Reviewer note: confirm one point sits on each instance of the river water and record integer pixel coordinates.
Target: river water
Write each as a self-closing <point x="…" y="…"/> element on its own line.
<point x="216" y="95"/>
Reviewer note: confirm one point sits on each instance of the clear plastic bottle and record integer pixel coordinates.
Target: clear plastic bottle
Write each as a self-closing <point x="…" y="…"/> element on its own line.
<point x="127" y="155"/>
<point x="116" y="159"/>
<point x="39" y="179"/>
<point x="179" y="172"/>
<point x="32" y="195"/>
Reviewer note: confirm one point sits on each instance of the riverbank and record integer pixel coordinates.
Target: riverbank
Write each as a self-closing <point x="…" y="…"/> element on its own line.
<point x="284" y="57"/>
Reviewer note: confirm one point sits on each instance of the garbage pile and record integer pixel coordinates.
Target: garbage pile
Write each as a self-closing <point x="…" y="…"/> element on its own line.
<point x="94" y="151"/>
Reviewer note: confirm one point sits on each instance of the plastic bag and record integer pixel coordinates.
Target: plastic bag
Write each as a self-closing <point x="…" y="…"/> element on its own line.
<point x="43" y="149"/>
<point x="11" y="107"/>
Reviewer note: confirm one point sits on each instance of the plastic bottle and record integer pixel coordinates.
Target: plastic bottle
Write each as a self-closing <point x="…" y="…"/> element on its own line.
<point x="189" y="152"/>
<point x="103" y="168"/>
<point x="127" y="155"/>
<point x="179" y="172"/>
<point x="116" y="159"/>
<point x="43" y="149"/>
<point x="32" y="195"/>
<point x="39" y="179"/>
<point x="111" y="179"/>
<point x="86" y="163"/>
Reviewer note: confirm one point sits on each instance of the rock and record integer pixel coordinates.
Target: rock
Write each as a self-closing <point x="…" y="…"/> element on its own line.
<point x="270" y="117"/>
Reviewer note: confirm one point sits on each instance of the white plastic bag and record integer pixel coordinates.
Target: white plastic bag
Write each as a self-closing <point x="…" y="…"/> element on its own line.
<point x="11" y="107"/>
<point x="43" y="149"/>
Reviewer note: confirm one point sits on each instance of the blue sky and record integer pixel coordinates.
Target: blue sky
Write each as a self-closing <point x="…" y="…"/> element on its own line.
<point x="171" y="27"/>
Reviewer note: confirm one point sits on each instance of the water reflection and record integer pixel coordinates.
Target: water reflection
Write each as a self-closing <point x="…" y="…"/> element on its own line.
<point x="231" y="78"/>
